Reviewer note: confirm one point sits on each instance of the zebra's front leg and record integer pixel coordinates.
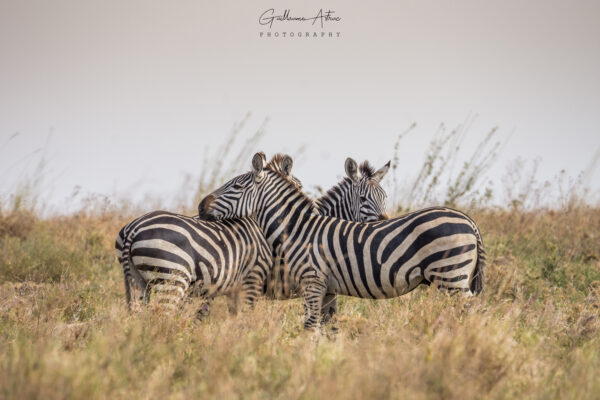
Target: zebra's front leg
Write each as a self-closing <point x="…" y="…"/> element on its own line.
<point x="314" y="290"/>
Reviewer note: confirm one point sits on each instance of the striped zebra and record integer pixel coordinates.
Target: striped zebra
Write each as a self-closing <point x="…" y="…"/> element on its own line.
<point x="173" y="255"/>
<point x="357" y="197"/>
<point x="166" y="253"/>
<point x="376" y="260"/>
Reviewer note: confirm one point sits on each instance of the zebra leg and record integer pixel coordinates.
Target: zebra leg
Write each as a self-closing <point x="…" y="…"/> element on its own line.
<point x="329" y="308"/>
<point x="168" y="295"/>
<point x="252" y="288"/>
<point x="273" y="283"/>
<point x="233" y="301"/>
<point x="256" y="283"/>
<point x="198" y="290"/>
<point x="314" y="290"/>
<point x="136" y="289"/>
<point x="454" y="274"/>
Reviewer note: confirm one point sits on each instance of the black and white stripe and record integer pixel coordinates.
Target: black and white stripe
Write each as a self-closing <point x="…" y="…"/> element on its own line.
<point x="166" y="253"/>
<point x="357" y="197"/>
<point x="370" y="260"/>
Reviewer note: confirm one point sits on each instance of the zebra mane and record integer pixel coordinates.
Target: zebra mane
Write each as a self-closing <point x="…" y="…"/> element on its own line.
<point x="367" y="169"/>
<point x="275" y="165"/>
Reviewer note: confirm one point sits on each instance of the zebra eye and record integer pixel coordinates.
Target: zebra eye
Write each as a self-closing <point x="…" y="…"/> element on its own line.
<point x="363" y="198"/>
<point x="237" y="186"/>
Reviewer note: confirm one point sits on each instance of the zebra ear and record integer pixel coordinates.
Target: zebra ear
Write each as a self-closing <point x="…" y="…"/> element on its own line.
<point x="380" y="173"/>
<point x="258" y="163"/>
<point x="286" y="165"/>
<point x="351" y="169"/>
<point x="264" y="157"/>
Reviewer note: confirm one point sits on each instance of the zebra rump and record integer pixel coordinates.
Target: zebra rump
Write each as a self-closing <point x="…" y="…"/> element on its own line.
<point x="166" y="253"/>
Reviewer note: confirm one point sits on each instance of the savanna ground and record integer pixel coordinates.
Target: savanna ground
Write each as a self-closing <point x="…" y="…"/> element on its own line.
<point x="533" y="333"/>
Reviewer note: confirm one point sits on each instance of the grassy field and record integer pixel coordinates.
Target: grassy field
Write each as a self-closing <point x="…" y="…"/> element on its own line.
<point x="533" y="333"/>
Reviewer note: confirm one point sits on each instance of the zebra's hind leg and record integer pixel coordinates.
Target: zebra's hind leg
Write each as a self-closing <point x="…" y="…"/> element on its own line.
<point x="137" y="290"/>
<point x="247" y="294"/>
<point x="329" y="311"/>
<point x="313" y="292"/>
<point x="329" y="308"/>
<point x="242" y="296"/>
<point x="198" y="290"/>
<point x="253" y="286"/>
<point x="233" y="301"/>
<point x="135" y="295"/>
<point x="452" y="288"/>
<point x="454" y="276"/>
<point x="167" y="295"/>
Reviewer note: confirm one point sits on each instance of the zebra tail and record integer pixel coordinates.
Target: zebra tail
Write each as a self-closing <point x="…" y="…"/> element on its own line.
<point x="478" y="280"/>
<point x="130" y="273"/>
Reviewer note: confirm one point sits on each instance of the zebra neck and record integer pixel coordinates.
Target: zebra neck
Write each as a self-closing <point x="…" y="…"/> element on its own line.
<point x="337" y="202"/>
<point x="285" y="211"/>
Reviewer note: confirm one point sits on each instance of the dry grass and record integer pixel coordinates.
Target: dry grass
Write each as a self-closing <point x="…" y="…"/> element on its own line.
<point x="534" y="332"/>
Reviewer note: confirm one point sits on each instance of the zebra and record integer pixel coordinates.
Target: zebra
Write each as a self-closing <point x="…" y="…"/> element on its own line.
<point x="377" y="260"/>
<point x="175" y="255"/>
<point x="166" y="253"/>
<point x="357" y="197"/>
<point x="151" y="240"/>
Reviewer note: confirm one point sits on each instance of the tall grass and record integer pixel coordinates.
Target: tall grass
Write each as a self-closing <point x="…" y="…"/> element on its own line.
<point x="440" y="179"/>
<point x="26" y="190"/>
<point x="450" y="176"/>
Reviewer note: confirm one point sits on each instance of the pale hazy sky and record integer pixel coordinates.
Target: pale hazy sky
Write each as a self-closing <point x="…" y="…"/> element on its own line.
<point x="133" y="91"/>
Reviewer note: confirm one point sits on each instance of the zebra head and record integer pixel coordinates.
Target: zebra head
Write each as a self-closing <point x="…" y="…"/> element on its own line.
<point x="237" y="197"/>
<point x="367" y="195"/>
